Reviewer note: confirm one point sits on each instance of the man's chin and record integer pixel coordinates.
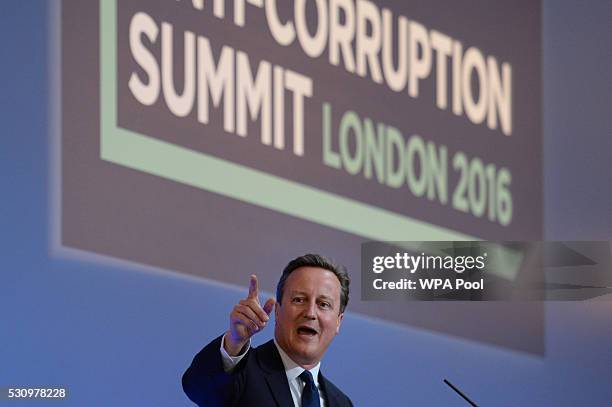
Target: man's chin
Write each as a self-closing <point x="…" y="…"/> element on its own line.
<point x="305" y="354"/>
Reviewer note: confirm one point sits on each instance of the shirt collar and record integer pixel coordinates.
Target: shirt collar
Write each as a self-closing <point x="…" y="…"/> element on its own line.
<point x="293" y="370"/>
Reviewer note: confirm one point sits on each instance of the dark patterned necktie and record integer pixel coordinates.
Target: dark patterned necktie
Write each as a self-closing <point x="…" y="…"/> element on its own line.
<point x="310" y="394"/>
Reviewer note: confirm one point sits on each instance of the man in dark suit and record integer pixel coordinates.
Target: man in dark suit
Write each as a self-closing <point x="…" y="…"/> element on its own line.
<point x="311" y="297"/>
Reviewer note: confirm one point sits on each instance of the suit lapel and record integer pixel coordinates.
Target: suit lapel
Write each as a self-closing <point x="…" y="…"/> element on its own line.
<point x="331" y="396"/>
<point x="274" y="371"/>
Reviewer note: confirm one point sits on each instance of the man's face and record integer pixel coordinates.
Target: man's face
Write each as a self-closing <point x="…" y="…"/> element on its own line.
<point x="308" y="317"/>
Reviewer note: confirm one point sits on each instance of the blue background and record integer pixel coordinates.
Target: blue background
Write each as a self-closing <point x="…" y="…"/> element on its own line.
<point x="120" y="334"/>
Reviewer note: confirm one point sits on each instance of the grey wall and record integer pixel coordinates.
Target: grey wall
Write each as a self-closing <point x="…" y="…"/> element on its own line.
<point x="577" y="77"/>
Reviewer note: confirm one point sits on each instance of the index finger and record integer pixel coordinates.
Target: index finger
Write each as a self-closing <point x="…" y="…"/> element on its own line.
<point x="253" y="288"/>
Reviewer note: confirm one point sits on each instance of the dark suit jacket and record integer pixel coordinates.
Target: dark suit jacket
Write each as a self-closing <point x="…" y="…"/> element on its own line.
<point x="259" y="380"/>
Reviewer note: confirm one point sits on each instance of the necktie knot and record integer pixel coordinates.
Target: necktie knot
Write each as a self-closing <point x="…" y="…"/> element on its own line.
<point x="306" y="376"/>
<point x="310" y="395"/>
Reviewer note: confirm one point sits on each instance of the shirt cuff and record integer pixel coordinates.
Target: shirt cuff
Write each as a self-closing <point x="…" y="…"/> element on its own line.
<point x="230" y="362"/>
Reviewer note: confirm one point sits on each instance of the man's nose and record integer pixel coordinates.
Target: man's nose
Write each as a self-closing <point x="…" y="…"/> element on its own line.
<point x="310" y="312"/>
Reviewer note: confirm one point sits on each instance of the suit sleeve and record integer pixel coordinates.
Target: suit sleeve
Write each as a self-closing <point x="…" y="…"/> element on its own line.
<point x="207" y="384"/>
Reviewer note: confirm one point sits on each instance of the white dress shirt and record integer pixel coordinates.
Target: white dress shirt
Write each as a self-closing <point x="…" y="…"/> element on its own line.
<point x="292" y="370"/>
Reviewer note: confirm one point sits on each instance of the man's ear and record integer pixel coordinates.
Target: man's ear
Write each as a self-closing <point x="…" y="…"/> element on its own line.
<point x="339" y="323"/>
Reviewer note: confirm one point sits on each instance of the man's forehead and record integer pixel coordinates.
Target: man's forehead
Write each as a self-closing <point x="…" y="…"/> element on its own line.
<point x="308" y="279"/>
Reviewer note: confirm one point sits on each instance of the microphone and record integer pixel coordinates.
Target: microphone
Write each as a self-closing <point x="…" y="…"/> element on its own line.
<point x="460" y="393"/>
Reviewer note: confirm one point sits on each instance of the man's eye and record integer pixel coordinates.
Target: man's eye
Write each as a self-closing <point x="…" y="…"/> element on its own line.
<point x="298" y="300"/>
<point x="325" y="305"/>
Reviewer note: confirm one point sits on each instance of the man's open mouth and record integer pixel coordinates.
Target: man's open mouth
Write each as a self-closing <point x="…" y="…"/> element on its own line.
<point x="306" y="330"/>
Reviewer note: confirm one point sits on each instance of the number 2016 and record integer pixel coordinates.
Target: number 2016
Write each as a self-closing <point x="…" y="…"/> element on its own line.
<point x="483" y="189"/>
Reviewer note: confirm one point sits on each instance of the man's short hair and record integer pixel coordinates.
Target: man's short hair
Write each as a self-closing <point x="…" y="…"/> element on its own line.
<point x="316" y="260"/>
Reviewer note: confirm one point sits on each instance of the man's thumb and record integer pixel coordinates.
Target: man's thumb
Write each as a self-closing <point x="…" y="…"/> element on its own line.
<point x="269" y="305"/>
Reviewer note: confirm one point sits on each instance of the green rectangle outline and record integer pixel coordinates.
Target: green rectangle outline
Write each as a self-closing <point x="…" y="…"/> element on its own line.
<point x="179" y="164"/>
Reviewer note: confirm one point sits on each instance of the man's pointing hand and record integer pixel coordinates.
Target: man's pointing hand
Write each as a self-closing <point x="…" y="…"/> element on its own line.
<point x="247" y="318"/>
